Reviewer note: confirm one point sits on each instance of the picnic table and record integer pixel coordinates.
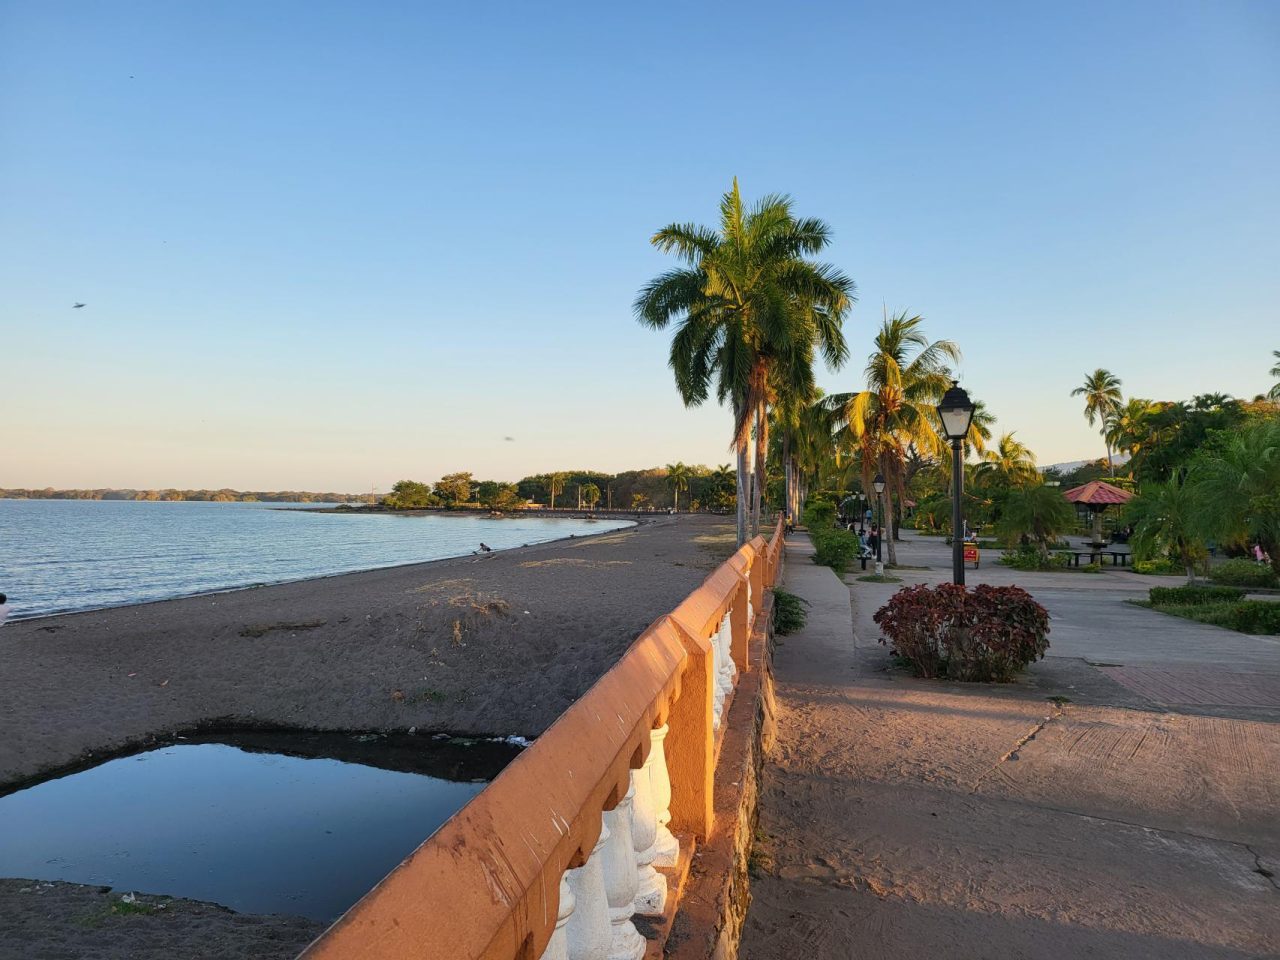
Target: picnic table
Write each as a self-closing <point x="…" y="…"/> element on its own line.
<point x="1119" y="558"/>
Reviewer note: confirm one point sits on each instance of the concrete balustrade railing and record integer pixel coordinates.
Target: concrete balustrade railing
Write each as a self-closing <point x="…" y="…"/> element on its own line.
<point x="580" y="833"/>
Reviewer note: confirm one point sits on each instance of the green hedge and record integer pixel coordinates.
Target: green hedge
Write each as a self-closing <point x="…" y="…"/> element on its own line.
<point x="1162" y="566"/>
<point x="1243" y="573"/>
<point x="1193" y="595"/>
<point x="1244" y="616"/>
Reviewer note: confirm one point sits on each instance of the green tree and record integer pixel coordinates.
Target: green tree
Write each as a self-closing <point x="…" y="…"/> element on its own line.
<point x="590" y="495"/>
<point x="1102" y="399"/>
<point x="454" y="488"/>
<point x="906" y="375"/>
<point x="1037" y="511"/>
<point x="677" y="480"/>
<point x="747" y="303"/>
<point x="1009" y="464"/>
<point x="497" y="496"/>
<point x="1274" y="392"/>
<point x="638" y="500"/>
<point x="1237" y="484"/>
<point x="410" y="495"/>
<point x="1167" y="521"/>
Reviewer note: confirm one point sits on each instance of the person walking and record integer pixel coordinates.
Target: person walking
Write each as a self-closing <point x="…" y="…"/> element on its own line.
<point x="4" y="609"/>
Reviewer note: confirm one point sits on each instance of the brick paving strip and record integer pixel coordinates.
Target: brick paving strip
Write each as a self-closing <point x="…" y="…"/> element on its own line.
<point x="1195" y="686"/>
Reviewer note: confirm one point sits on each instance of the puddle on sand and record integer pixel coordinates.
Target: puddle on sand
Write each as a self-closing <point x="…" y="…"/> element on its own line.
<point x="289" y="823"/>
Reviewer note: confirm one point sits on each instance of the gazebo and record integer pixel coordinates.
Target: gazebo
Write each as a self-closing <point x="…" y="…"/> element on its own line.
<point x="1097" y="495"/>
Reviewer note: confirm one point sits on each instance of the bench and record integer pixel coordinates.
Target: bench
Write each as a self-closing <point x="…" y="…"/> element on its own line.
<point x="1119" y="558"/>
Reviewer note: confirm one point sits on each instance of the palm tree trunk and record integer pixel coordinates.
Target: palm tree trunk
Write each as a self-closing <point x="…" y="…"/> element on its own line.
<point x="762" y="438"/>
<point x="742" y="490"/>
<point x="888" y="510"/>
<point x="786" y="473"/>
<point x="1110" y="465"/>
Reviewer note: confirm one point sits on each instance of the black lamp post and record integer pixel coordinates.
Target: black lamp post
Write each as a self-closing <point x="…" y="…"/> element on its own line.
<point x="956" y="413"/>
<point x="878" y="483"/>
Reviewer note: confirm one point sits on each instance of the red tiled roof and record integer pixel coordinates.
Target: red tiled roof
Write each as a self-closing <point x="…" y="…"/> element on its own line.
<point x="1098" y="493"/>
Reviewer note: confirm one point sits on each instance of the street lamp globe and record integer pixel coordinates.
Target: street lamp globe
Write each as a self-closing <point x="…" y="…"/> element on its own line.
<point x="956" y="412"/>
<point x="878" y="483"/>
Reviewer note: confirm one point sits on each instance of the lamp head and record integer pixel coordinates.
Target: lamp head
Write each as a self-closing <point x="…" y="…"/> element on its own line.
<point x="956" y="412"/>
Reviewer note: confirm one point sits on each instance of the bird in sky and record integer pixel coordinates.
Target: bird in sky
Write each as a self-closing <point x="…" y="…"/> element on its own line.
<point x="509" y="439"/>
<point x="76" y="306"/>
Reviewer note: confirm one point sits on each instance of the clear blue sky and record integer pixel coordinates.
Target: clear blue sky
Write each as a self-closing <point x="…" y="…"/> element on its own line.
<point x="331" y="245"/>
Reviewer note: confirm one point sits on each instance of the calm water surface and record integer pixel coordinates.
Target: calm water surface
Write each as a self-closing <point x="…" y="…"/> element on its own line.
<point x="58" y="556"/>
<point x="257" y="832"/>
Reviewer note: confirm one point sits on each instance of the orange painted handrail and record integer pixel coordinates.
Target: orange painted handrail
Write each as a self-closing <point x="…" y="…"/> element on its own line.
<point x="486" y="885"/>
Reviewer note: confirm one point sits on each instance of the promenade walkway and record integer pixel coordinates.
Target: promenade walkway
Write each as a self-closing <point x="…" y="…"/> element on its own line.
<point x="908" y="818"/>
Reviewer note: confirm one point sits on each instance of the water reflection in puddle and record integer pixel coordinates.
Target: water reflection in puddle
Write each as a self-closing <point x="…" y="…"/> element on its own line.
<point x="260" y="832"/>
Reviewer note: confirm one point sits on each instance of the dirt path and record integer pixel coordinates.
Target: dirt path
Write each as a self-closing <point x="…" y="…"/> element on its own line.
<point x="906" y="818"/>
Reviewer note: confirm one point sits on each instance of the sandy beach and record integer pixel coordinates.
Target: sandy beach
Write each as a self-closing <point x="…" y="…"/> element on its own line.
<point x="497" y="645"/>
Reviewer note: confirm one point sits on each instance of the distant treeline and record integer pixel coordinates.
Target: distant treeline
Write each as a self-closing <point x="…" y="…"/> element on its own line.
<point x="696" y="487"/>
<point x="216" y="496"/>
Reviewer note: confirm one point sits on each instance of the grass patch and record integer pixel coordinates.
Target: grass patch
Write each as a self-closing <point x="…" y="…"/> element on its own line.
<point x="902" y="566"/>
<point x="789" y="614"/>
<point x="882" y="578"/>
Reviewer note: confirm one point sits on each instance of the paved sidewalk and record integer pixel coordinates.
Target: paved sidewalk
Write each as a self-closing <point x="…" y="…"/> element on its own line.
<point x="908" y="818"/>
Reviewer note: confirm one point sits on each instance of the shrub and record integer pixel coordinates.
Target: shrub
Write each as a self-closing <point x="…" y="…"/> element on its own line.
<point x="989" y="633"/>
<point x="834" y="548"/>
<point x="788" y="612"/>
<point x="1193" y="595"/>
<point x="1243" y="573"/>
<point x="1244" y="616"/>
<point x="1030" y="558"/>
<point x="819" y="514"/>
<point x="1162" y="565"/>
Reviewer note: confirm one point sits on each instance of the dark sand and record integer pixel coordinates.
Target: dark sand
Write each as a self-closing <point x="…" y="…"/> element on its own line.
<point x="497" y="645"/>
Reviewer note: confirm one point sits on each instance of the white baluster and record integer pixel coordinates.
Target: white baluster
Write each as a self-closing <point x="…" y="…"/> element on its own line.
<point x="751" y="611"/>
<point x="651" y="886"/>
<point x="621" y="881"/>
<point x="666" y="845"/>
<point x="717" y="667"/>
<point x="589" y="934"/>
<point x="558" y="946"/>
<point x="726" y="636"/>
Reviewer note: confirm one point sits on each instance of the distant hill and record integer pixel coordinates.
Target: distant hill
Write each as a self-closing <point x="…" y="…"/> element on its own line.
<point x="1072" y="465"/>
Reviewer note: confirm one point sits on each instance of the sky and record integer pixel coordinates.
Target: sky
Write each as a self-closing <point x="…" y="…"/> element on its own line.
<point x="328" y="246"/>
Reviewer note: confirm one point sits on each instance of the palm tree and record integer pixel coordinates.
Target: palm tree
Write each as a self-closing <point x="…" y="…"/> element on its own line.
<point x="750" y="311"/>
<point x="1037" y="511"/>
<point x="906" y="375"/>
<point x="1010" y="464"/>
<point x="1274" y="392"/>
<point x="1236" y="486"/>
<point x="1167" y="520"/>
<point x="590" y="494"/>
<point x="1128" y="428"/>
<point x="677" y="479"/>
<point x="555" y="484"/>
<point x="1101" y="392"/>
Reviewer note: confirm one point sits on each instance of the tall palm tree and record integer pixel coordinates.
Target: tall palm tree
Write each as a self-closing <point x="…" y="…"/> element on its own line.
<point x="1128" y="428"/>
<point x="1274" y="392"/>
<point x="750" y="310"/>
<point x="677" y="479"/>
<point x="1010" y="464"/>
<point x="906" y="375"/>
<point x="1101" y="392"/>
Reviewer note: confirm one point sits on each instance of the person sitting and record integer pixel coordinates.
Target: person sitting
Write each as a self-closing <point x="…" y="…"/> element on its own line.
<point x="485" y="548"/>
<point x="4" y="609"/>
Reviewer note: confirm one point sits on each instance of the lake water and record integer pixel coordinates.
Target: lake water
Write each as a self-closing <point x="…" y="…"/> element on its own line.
<point x="58" y="556"/>
<point x="259" y="832"/>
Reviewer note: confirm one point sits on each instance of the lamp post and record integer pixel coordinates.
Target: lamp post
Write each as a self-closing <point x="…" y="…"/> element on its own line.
<point x="878" y="483"/>
<point x="956" y="413"/>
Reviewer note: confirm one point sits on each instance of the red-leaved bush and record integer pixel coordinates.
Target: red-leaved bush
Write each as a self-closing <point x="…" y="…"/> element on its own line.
<point x="988" y="633"/>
